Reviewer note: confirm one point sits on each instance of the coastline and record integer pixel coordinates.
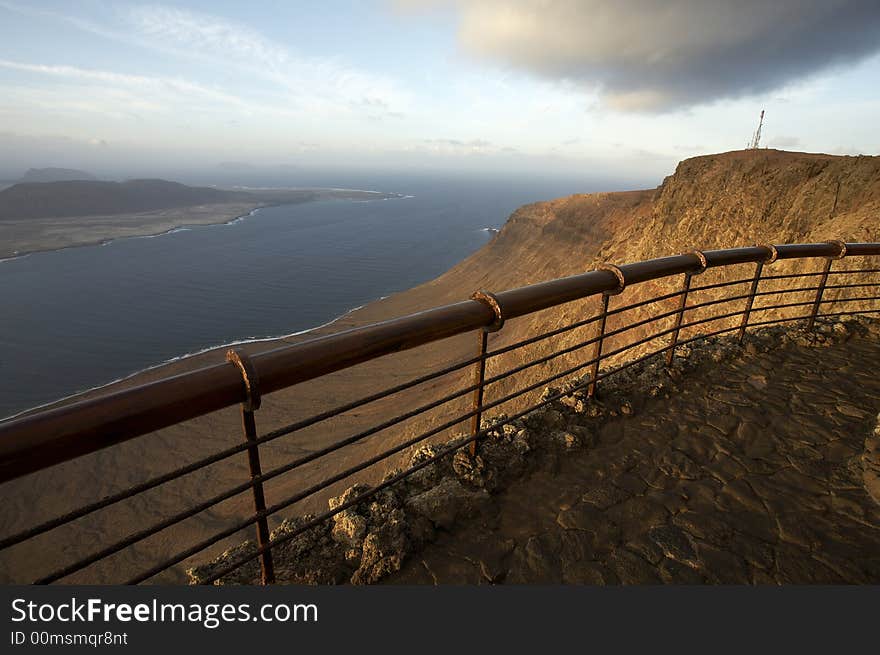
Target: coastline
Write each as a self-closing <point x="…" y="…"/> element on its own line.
<point x="22" y="237"/>
<point x="190" y="356"/>
<point x="107" y="241"/>
<point x="195" y="358"/>
<point x="139" y="458"/>
<point x="393" y="305"/>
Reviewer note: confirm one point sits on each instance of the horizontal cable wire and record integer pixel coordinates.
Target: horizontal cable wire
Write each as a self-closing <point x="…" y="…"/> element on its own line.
<point x="162" y="479"/>
<point x="181" y="516"/>
<point x="444" y="452"/>
<point x="378" y="458"/>
<point x="143" y="534"/>
<point x="221" y="455"/>
<point x="229" y="452"/>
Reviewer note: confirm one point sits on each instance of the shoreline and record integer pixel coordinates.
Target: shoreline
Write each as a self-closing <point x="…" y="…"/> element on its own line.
<point x="179" y="358"/>
<point x="275" y="341"/>
<point x="105" y="229"/>
<point x="107" y="241"/>
<point x="206" y="351"/>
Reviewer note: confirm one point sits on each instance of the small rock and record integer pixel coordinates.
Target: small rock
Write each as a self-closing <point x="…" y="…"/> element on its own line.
<point x="757" y="381"/>
<point x="446" y="502"/>
<point x="471" y="469"/>
<point x="594" y="410"/>
<point x="567" y="440"/>
<point x="348" y="495"/>
<point x="383" y="552"/>
<point x="548" y="392"/>
<point x="349" y="529"/>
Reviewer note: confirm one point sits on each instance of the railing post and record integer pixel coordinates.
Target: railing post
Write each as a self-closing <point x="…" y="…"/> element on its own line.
<point x="820" y="290"/>
<point x="603" y="317"/>
<point x="490" y="301"/>
<point x="750" y="301"/>
<point x="682" y="305"/>
<point x="251" y="404"/>
<point x="597" y="347"/>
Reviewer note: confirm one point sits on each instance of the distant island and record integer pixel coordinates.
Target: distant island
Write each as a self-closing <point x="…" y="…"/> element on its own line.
<point x="37" y="216"/>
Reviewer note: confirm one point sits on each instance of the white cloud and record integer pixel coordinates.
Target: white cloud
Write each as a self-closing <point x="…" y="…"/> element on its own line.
<point x="144" y="84"/>
<point x="207" y="35"/>
<point x="316" y="83"/>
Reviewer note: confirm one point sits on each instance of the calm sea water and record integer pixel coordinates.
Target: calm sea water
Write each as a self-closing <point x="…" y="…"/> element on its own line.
<point x="78" y="318"/>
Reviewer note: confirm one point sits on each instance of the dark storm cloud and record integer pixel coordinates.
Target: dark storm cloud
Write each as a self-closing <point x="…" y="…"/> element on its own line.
<point x="650" y="55"/>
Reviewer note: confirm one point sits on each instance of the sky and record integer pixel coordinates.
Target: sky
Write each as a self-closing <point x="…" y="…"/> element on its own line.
<point x="543" y="87"/>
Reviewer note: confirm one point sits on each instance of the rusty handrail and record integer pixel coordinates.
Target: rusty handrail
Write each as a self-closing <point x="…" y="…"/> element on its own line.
<point x="42" y="439"/>
<point x="376" y="340"/>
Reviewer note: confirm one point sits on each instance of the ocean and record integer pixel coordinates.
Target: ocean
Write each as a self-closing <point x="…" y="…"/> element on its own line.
<point x="79" y="318"/>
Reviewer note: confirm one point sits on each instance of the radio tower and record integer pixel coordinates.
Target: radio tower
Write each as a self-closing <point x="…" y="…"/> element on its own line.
<point x="756" y="139"/>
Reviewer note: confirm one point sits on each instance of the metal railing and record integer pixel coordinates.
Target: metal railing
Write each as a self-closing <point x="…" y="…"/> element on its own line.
<point x="37" y="441"/>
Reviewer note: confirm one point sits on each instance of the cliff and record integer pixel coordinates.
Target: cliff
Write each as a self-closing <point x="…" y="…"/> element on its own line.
<point x="716" y="201"/>
<point x="755" y="196"/>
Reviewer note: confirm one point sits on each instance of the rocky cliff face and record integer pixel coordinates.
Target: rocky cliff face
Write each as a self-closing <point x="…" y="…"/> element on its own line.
<point x="762" y="196"/>
<point x="716" y="201"/>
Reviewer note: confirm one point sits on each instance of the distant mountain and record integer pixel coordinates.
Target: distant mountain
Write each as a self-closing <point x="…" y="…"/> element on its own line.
<point x="55" y="175"/>
<point x="92" y="198"/>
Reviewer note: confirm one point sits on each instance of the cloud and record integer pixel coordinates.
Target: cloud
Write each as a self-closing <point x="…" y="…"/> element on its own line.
<point x="320" y="83"/>
<point x="207" y="34"/>
<point x="324" y="85"/>
<point x="143" y="82"/>
<point x="111" y="94"/>
<point x="75" y="21"/>
<point x="646" y="55"/>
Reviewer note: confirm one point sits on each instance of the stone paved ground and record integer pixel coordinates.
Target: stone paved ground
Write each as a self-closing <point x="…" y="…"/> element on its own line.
<point x="751" y="473"/>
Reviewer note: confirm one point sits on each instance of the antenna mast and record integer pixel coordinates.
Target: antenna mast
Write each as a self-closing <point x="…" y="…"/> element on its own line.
<point x="756" y="139"/>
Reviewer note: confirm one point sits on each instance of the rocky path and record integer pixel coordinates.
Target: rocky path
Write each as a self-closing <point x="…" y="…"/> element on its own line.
<point x="756" y="471"/>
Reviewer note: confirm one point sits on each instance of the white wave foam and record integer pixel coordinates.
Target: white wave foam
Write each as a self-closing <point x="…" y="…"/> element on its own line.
<point x="189" y="227"/>
<point x="173" y="230"/>
<point x="177" y="358"/>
